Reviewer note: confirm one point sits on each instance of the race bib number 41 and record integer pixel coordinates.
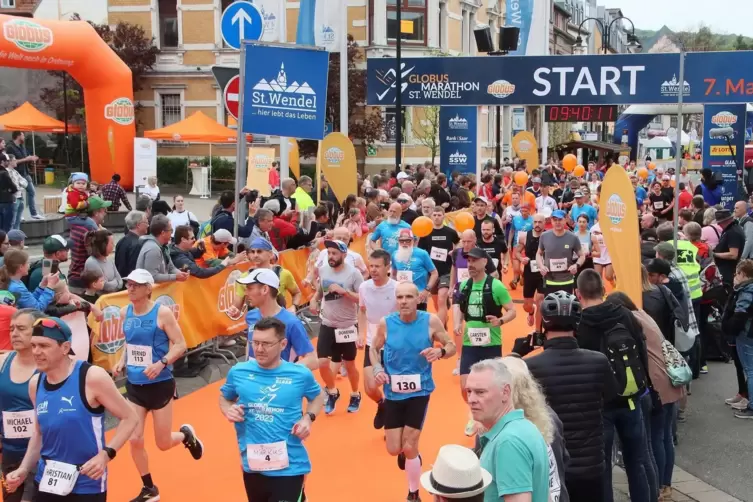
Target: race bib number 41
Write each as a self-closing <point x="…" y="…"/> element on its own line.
<point x="268" y="456"/>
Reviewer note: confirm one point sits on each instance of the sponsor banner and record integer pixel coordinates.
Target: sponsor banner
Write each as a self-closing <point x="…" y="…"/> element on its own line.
<point x="273" y="17"/>
<point x="618" y="217"/>
<point x="531" y="17"/>
<point x="285" y="91"/>
<point x="294" y="158"/>
<point x="457" y="139"/>
<point x="337" y="161"/>
<point x="716" y="151"/>
<point x="27" y="35"/>
<point x="327" y="24"/>
<point x="711" y="77"/>
<point x="259" y="164"/>
<point x="527" y="148"/>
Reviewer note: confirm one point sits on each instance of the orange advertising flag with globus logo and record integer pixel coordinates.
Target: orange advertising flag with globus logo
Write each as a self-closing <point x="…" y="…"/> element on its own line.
<point x="527" y="148"/>
<point x="259" y="164"/>
<point x="294" y="158"/>
<point x="337" y="159"/>
<point x="618" y="219"/>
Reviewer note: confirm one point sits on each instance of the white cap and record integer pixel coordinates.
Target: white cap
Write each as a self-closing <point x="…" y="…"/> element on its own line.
<point x="402" y="175"/>
<point x="141" y="276"/>
<point x="261" y="276"/>
<point x="456" y="474"/>
<point x="224" y="236"/>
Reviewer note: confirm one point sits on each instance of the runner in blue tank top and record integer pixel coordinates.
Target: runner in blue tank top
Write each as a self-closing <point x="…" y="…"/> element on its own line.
<point x="263" y="398"/>
<point x="16" y="370"/>
<point x="70" y="398"/>
<point x="153" y="342"/>
<point x="408" y="338"/>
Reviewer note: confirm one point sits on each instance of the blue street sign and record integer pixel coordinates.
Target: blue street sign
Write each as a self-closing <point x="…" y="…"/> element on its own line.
<point x="241" y="21"/>
<point x="285" y="90"/>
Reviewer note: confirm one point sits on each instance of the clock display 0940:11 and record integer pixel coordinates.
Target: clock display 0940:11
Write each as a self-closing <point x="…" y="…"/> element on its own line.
<point x="581" y="113"/>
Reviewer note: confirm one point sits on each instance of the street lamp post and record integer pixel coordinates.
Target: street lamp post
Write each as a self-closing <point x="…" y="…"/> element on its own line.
<point x="398" y="88"/>
<point x="605" y="46"/>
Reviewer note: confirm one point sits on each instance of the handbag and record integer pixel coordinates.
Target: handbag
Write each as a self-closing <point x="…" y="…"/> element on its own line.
<point x="677" y="368"/>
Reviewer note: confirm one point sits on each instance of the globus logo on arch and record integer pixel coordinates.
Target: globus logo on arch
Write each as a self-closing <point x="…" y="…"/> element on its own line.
<point x="27" y="35"/>
<point x="226" y="296"/>
<point x="616" y="209"/>
<point x="120" y="111"/>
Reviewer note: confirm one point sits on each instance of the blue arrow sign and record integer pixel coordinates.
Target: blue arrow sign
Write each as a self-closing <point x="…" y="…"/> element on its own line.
<point x="241" y="21"/>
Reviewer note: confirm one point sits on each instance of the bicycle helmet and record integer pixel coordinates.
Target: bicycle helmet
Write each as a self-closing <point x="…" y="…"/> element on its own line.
<point x="560" y="311"/>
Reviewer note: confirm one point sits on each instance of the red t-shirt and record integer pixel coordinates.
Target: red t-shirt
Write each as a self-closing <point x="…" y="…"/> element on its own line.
<point x="686" y="199"/>
<point x="274" y="178"/>
<point x="6" y="311"/>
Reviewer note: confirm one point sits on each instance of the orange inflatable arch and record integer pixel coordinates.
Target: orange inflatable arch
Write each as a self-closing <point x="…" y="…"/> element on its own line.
<point x="74" y="47"/>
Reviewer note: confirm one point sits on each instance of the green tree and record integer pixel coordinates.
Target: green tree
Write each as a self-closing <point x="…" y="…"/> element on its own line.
<point x="741" y="44"/>
<point x="426" y="131"/>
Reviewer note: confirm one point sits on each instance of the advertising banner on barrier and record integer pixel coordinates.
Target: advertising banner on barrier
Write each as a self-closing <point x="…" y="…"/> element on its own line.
<point x="337" y="159"/>
<point x="458" y="127"/>
<point x="619" y="225"/>
<point x="526" y="147"/>
<point x="710" y="77"/>
<point x="285" y="91"/>
<point x="716" y="151"/>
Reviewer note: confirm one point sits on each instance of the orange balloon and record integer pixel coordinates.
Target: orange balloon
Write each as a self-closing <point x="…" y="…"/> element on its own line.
<point x="569" y="162"/>
<point x="464" y="221"/>
<point x="651" y="166"/>
<point x="422" y="226"/>
<point x="642" y="173"/>
<point x="579" y="170"/>
<point x="521" y="178"/>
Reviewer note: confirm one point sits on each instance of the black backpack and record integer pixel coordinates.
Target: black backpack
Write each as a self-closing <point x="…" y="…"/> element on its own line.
<point x="624" y="356"/>
<point x="25" y="279"/>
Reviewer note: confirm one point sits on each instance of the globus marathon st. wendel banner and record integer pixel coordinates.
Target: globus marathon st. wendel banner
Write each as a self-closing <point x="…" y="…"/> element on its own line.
<point x="457" y="139"/>
<point x="710" y="77"/>
<point x="716" y="152"/>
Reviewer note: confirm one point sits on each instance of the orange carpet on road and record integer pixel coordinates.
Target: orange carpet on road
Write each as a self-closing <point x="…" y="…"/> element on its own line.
<point x="348" y="456"/>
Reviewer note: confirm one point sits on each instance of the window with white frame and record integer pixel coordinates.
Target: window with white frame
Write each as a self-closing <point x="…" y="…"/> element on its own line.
<point x="414" y="16"/>
<point x="8" y="4"/>
<point x="168" y="23"/>
<point x="171" y="109"/>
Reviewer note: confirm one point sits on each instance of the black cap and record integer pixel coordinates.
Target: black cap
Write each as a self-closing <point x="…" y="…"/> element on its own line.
<point x="658" y="266"/>
<point x="723" y="215"/>
<point x="476" y="252"/>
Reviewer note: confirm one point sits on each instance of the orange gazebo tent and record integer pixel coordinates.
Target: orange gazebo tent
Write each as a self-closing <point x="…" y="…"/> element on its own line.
<point x="198" y="128"/>
<point x="27" y="118"/>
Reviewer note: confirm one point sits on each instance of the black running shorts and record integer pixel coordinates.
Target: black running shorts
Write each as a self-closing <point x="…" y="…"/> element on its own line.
<point x="471" y="355"/>
<point x="532" y="283"/>
<point x="151" y="396"/>
<point x="261" y="488"/>
<point x="327" y="346"/>
<point x="409" y="412"/>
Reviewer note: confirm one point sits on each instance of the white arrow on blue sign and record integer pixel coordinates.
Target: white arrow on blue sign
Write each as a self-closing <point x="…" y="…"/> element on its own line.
<point x="241" y="21"/>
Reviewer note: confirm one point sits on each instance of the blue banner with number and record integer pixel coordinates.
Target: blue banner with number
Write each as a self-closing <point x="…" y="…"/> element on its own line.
<point x="285" y="91"/>
<point x="716" y="150"/>
<point x="710" y="77"/>
<point x="458" y="127"/>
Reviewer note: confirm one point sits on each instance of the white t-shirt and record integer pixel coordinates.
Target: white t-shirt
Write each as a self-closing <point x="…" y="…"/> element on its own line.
<point x="354" y="259"/>
<point x="379" y="302"/>
<point x="184" y="218"/>
<point x="152" y="192"/>
<point x="546" y="205"/>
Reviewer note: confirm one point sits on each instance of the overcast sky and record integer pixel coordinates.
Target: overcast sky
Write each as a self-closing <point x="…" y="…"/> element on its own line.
<point x="722" y="16"/>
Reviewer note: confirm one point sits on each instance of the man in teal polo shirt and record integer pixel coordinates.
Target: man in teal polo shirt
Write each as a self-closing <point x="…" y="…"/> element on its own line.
<point x="512" y="450"/>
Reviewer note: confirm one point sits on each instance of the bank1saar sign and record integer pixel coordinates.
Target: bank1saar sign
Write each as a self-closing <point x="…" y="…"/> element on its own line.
<point x="457" y="139"/>
<point x="285" y="91"/>
<point x="710" y="77"/>
<point x="716" y="151"/>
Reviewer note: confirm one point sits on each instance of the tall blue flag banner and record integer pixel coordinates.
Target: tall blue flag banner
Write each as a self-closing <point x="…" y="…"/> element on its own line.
<point x="306" y="14"/>
<point x="716" y="151"/>
<point x="520" y="15"/>
<point x="710" y="77"/>
<point x="457" y="139"/>
<point x="285" y="91"/>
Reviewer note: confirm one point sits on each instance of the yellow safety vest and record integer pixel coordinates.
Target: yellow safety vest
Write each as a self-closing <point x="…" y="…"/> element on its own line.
<point x="687" y="262"/>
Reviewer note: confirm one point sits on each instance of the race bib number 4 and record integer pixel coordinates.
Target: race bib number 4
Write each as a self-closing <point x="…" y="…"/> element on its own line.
<point x="558" y="264"/>
<point x="479" y="336"/>
<point x="404" y="276"/>
<point x="139" y="355"/>
<point x="346" y="335"/>
<point x="18" y="424"/>
<point x="405" y="384"/>
<point x="438" y="254"/>
<point x="534" y="266"/>
<point x="59" y="478"/>
<point x="267" y="457"/>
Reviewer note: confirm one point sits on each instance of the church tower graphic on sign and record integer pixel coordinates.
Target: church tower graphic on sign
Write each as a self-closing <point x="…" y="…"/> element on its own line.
<point x="281" y="78"/>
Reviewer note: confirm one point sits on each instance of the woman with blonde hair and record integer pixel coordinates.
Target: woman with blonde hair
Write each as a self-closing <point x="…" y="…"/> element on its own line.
<point x="527" y="396"/>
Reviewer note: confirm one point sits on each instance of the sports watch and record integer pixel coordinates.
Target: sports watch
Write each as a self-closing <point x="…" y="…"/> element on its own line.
<point x="312" y="417"/>
<point x="110" y="452"/>
<point x="164" y="361"/>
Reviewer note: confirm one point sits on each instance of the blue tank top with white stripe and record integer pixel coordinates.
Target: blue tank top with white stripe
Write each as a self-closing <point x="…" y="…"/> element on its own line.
<point x="14" y="398"/>
<point x="72" y="431"/>
<point x="144" y="331"/>
<point x="402" y="349"/>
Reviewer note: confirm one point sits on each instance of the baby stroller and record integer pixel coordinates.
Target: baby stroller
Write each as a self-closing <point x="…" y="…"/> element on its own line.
<point x="715" y="294"/>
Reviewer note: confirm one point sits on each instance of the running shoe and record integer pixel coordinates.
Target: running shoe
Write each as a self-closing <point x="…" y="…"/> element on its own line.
<point x="147" y="495"/>
<point x="355" y="403"/>
<point x="413" y="497"/>
<point x="704" y="370"/>
<point x="329" y="407"/>
<point x="514" y="284"/>
<point x="379" y="417"/>
<point x="741" y="405"/>
<point x="746" y="413"/>
<point x="681" y="418"/>
<point x="192" y="441"/>
<point x="530" y="318"/>
<point x="733" y="400"/>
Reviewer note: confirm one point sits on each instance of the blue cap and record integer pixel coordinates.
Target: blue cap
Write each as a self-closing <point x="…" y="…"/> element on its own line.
<point x="54" y="328"/>
<point x="79" y="177"/>
<point x="339" y="245"/>
<point x="262" y="244"/>
<point x="558" y="213"/>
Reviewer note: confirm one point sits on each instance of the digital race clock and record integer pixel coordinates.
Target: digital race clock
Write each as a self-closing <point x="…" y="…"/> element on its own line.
<point x="581" y="113"/>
